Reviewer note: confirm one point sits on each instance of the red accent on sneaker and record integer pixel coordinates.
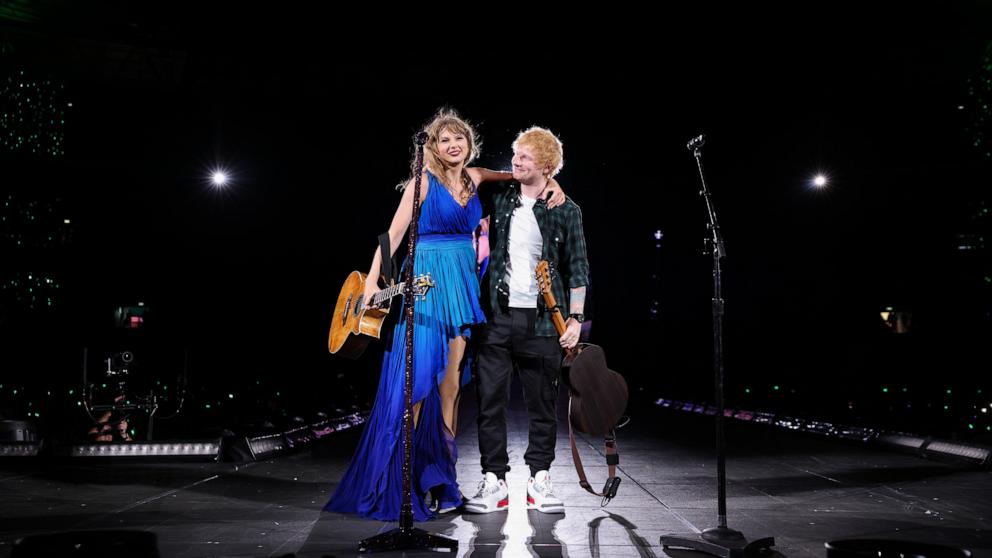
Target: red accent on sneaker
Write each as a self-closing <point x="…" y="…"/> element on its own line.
<point x="530" y="499"/>
<point x="503" y="503"/>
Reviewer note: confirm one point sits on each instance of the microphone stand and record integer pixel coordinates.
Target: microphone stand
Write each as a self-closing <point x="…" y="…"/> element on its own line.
<point x="406" y="537"/>
<point x="720" y="540"/>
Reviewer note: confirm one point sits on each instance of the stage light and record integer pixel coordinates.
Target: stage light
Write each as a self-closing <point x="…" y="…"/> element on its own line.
<point x="820" y="427"/>
<point x="855" y="433"/>
<point x="904" y="441"/>
<point x="974" y="454"/>
<point x="764" y="417"/>
<point x="266" y="445"/>
<point x="819" y="181"/>
<point x="219" y="178"/>
<point x="19" y="449"/>
<point x="790" y="423"/>
<point x="262" y="447"/>
<point x="744" y="415"/>
<point x="148" y="449"/>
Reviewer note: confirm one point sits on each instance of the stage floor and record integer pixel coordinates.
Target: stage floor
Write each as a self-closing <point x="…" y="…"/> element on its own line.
<point x="800" y="489"/>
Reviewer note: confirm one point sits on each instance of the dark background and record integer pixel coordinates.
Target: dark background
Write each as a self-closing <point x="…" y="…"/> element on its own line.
<point x="313" y="113"/>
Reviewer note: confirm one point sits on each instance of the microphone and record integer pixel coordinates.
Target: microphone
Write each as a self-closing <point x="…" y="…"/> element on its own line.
<point x="696" y="142"/>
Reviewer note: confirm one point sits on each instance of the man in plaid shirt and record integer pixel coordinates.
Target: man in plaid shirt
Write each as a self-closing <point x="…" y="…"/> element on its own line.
<point x="519" y="332"/>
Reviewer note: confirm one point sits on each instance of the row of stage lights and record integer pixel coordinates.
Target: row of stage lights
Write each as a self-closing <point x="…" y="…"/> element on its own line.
<point x="921" y="445"/>
<point x="981" y="411"/>
<point x="31" y="403"/>
<point x="223" y="449"/>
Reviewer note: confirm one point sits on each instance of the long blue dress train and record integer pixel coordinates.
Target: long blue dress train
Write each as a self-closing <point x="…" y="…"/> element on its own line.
<point x="372" y="486"/>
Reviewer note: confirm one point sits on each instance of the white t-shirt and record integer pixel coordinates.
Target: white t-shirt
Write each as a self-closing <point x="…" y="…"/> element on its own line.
<point x="525" y="251"/>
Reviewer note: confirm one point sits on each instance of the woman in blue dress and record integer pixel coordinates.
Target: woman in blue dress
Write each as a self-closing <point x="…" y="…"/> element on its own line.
<point x="450" y="212"/>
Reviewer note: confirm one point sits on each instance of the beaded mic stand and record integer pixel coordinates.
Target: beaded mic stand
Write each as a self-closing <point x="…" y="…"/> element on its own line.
<point x="406" y="537"/>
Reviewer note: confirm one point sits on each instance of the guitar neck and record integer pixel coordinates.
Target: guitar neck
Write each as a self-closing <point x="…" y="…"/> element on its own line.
<point x="549" y="301"/>
<point x="388" y="293"/>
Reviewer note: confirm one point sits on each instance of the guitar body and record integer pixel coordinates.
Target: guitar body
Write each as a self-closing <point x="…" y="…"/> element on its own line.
<point x="598" y="394"/>
<point x="352" y="326"/>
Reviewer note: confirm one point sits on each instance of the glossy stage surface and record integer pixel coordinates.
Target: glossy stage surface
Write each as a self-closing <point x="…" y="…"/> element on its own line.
<point x="801" y="489"/>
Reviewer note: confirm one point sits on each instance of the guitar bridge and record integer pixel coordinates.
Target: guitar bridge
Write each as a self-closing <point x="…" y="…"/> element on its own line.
<point x="347" y="308"/>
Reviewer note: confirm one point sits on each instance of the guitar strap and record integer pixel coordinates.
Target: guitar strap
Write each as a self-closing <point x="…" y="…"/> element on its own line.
<point x="388" y="264"/>
<point x="612" y="460"/>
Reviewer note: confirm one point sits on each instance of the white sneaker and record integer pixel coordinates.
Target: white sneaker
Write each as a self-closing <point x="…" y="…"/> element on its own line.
<point x="541" y="496"/>
<point x="434" y="505"/>
<point x="493" y="495"/>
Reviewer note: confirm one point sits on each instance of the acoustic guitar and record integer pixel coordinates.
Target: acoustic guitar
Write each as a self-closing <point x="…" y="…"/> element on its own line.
<point x="353" y="325"/>
<point x="597" y="395"/>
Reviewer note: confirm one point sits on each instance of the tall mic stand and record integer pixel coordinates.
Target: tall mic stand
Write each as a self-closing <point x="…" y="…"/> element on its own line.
<point x="406" y="537"/>
<point x="720" y="540"/>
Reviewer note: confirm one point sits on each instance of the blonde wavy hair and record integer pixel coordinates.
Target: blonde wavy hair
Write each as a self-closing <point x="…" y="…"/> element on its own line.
<point x="445" y="119"/>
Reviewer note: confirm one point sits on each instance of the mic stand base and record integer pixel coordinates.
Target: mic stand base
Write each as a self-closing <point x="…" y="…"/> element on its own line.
<point x="407" y="539"/>
<point x="719" y="541"/>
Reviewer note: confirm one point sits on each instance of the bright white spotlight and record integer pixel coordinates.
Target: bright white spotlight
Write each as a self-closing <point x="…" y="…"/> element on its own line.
<point x="219" y="178"/>
<point x="820" y="181"/>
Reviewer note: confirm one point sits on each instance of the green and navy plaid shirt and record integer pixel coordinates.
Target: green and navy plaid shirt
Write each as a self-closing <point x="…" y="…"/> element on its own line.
<point x="564" y="247"/>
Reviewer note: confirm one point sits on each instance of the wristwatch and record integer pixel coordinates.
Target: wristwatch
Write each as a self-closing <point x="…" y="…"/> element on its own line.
<point x="578" y="317"/>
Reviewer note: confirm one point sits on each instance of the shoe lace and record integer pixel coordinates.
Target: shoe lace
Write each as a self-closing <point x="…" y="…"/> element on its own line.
<point x="545" y="487"/>
<point x="486" y="488"/>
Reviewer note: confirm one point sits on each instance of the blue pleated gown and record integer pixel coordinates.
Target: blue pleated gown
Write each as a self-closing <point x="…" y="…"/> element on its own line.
<point x="372" y="486"/>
